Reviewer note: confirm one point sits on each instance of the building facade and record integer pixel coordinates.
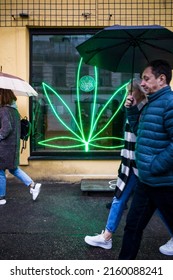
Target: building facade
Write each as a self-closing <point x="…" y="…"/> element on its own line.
<point x="78" y="116"/>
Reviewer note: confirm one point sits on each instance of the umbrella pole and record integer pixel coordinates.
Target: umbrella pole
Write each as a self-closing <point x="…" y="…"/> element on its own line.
<point x="133" y="65"/>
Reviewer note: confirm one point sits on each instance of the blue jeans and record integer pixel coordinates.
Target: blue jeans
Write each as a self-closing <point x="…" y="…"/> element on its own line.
<point x="118" y="204"/>
<point x="145" y="201"/>
<point x="18" y="173"/>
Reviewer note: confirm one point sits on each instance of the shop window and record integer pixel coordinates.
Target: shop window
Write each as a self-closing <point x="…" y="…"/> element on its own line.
<point x="79" y="111"/>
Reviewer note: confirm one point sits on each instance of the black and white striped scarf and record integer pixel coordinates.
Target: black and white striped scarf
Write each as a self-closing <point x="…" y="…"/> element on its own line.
<point x="127" y="156"/>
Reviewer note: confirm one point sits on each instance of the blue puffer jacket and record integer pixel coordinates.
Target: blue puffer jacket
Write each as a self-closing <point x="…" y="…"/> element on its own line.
<point x="154" y="146"/>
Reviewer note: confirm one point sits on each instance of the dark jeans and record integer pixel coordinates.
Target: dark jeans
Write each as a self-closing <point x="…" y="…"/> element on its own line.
<point x="145" y="201"/>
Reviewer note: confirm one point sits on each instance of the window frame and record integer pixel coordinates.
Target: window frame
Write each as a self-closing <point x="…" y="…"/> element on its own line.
<point x="70" y="155"/>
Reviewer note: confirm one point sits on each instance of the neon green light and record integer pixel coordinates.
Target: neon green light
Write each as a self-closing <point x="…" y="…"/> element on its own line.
<point x="107" y="138"/>
<point x="46" y="88"/>
<point x="87" y="83"/>
<point x="47" y="141"/>
<point x="78" y="99"/>
<point x="103" y="109"/>
<point x="83" y="140"/>
<point x="85" y="144"/>
<point x="94" y="104"/>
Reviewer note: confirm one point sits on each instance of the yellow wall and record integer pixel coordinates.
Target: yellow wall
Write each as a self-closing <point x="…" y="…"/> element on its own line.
<point x="14" y="59"/>
<point x="14" y="51"/>
<point x="71" y="170"/>
<point x="98" y="13"/>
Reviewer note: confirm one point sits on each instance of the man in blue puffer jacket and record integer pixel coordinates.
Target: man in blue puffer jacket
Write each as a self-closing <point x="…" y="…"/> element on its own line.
<point x="154" y="155"/>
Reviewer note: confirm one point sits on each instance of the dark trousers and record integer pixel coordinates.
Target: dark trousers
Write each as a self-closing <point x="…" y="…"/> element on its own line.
<point x="145" y="201"/>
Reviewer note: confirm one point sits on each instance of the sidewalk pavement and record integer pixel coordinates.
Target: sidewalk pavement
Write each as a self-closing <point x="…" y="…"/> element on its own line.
<point x="54" y="226"/>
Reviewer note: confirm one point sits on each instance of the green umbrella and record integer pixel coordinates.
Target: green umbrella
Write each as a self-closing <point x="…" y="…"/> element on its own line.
<point x="127" y="49"/>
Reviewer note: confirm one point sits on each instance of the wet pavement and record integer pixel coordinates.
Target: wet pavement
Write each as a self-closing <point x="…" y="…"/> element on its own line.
<point x="54" y="226"/>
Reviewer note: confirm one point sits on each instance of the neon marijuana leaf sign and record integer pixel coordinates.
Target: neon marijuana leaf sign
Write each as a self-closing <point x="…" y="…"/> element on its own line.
<point x="80" y="138"/>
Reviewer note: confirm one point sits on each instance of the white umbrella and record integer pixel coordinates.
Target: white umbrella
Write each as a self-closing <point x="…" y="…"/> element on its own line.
<point x="17" y="85"/>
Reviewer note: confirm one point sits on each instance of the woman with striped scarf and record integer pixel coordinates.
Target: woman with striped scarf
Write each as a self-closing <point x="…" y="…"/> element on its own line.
<point x="127" y="177"/>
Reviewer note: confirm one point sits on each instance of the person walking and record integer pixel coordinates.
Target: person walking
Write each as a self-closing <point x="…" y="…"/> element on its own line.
<point x="127" y="177"/>
<point x="10" y="145"/>
<point x="154" y="156"/>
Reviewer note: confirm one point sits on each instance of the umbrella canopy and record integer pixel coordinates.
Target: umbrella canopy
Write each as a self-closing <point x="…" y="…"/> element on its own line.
<point x="127" y="49"/>
<point x="17" y="85"/>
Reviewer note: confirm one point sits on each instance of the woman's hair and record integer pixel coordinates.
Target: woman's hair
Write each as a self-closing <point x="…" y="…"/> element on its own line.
<point x="135" y="84"/>
<point x="7" y="96"/>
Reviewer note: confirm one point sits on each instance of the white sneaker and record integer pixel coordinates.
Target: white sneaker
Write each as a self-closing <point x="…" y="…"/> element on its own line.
<point x="98" y="241"/>
<point x="167" y="248"/>
<point x="35" y="191"/>
<point x="2" y="201"/>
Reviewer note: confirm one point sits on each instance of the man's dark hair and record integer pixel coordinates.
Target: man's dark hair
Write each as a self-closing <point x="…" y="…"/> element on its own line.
<point x="161" y="67"/>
